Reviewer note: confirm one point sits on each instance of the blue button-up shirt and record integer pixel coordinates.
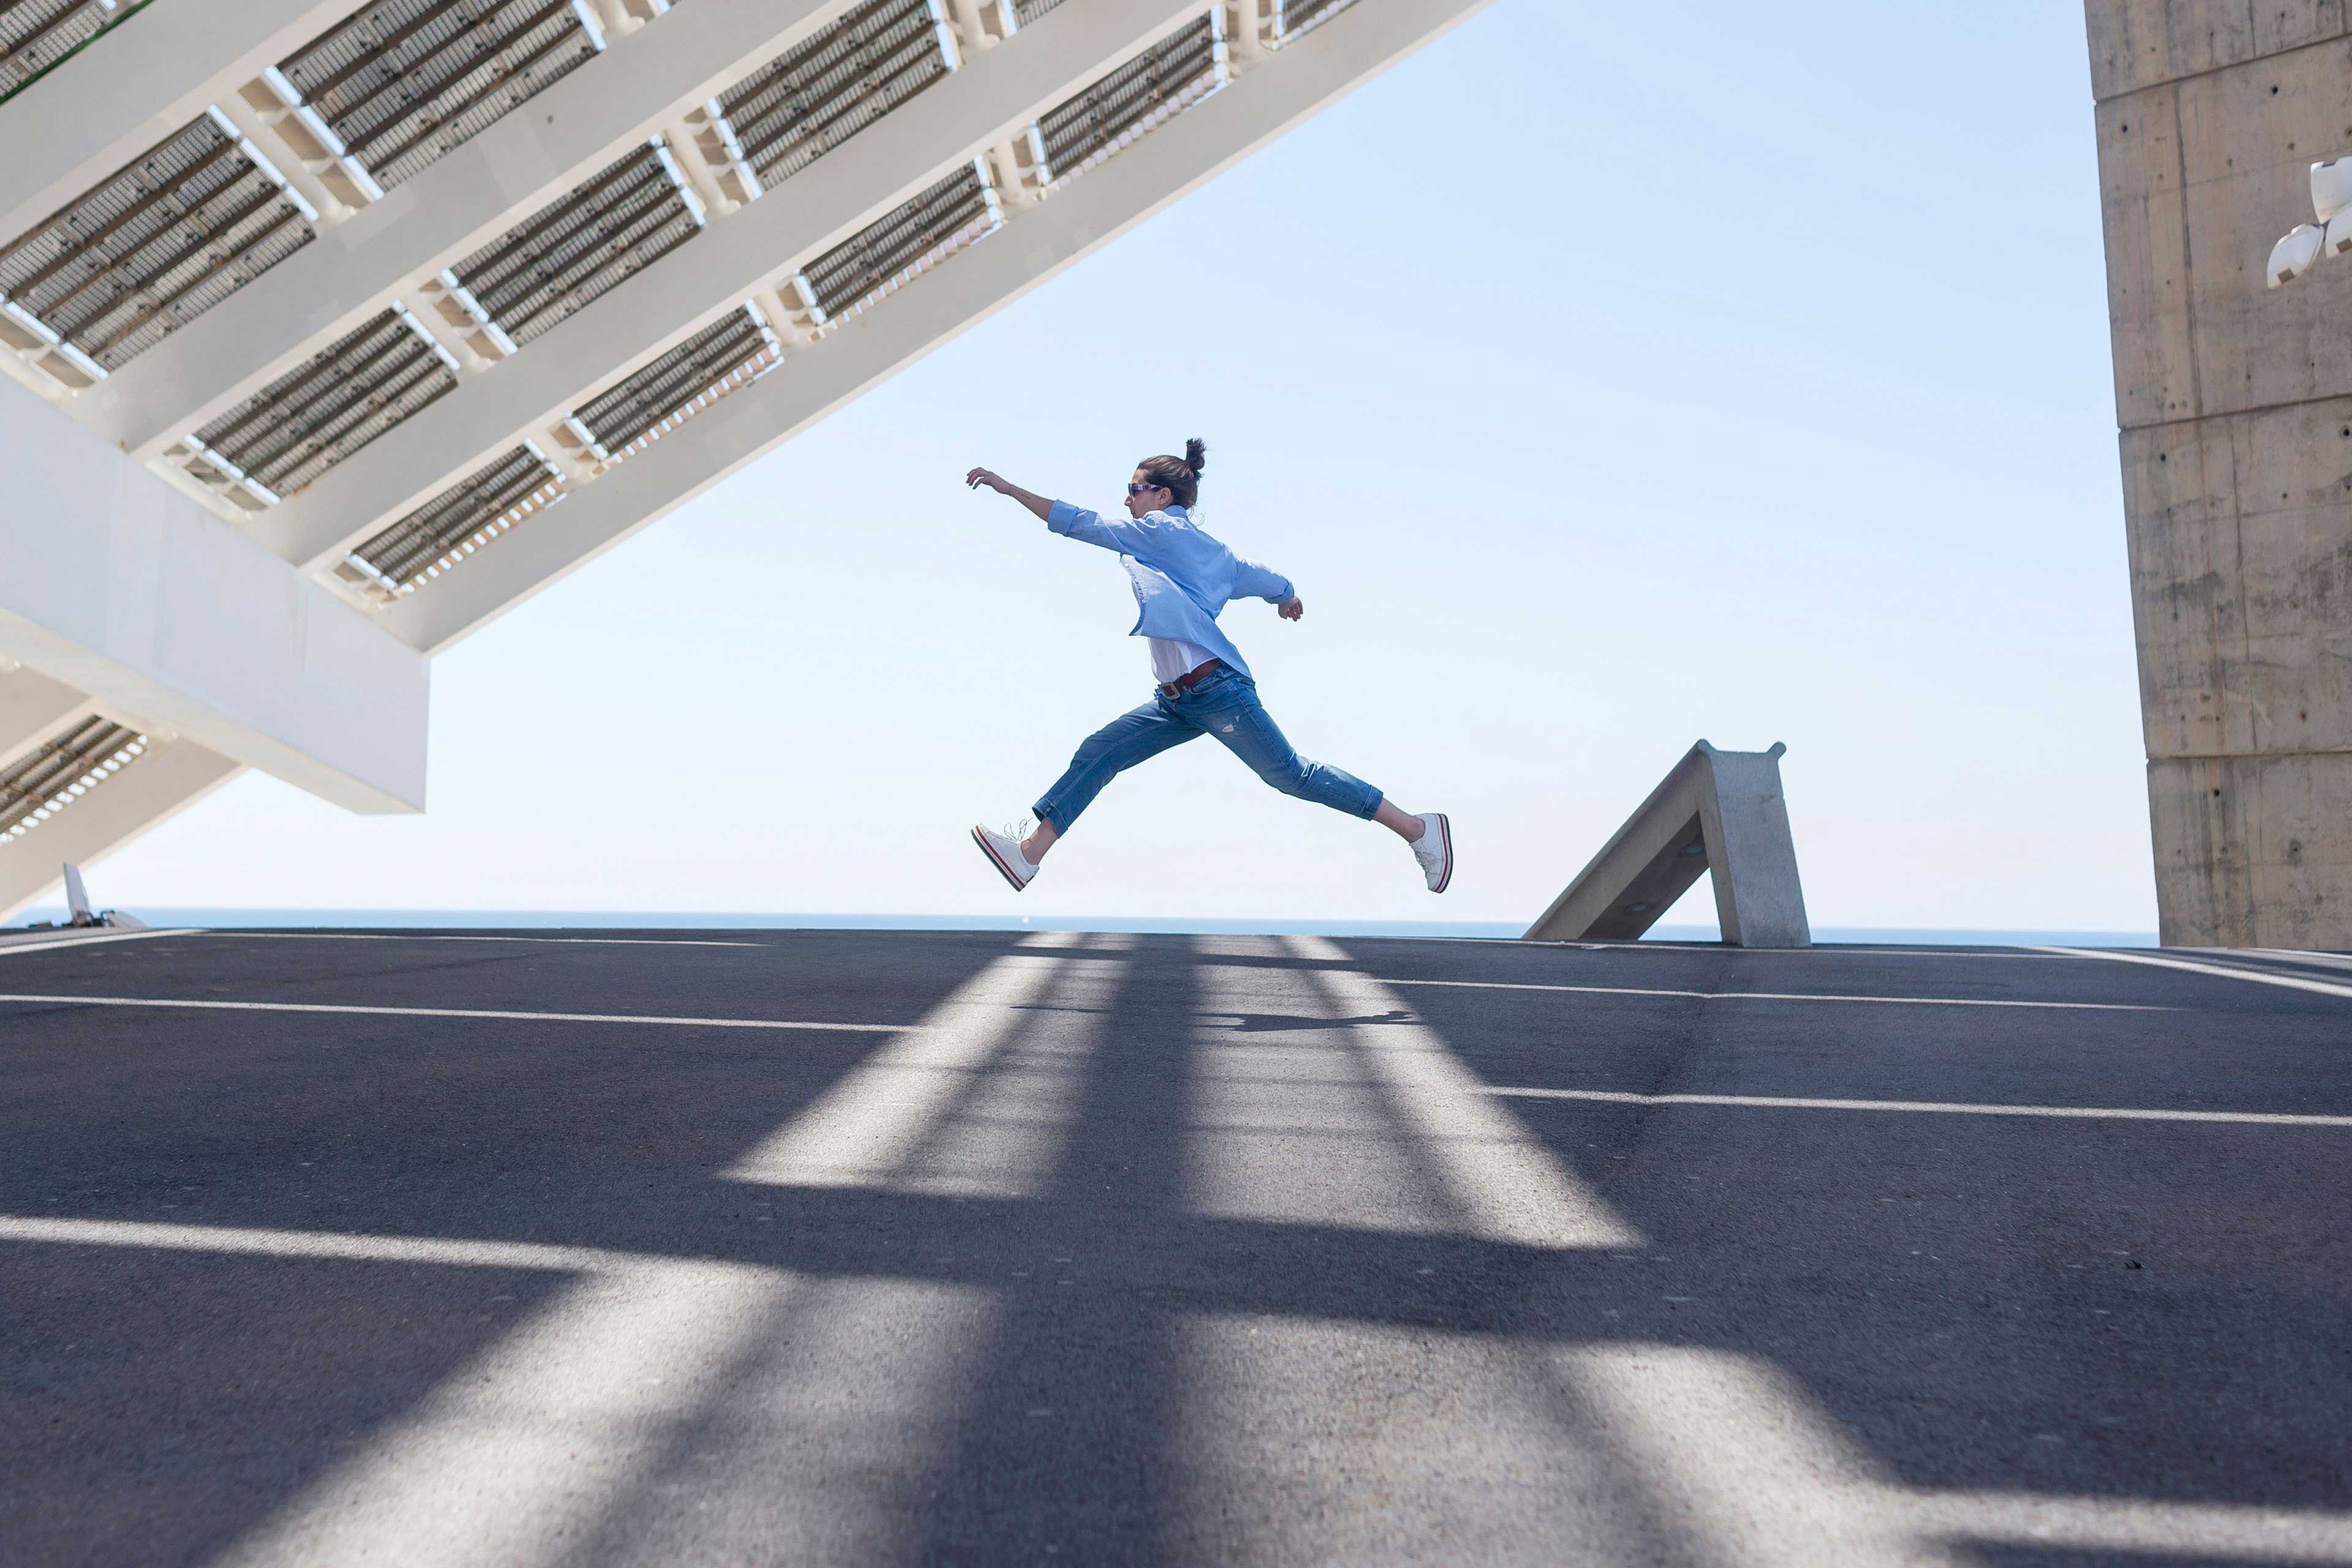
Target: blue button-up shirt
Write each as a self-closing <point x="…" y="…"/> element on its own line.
<point x="1182" y="576"/>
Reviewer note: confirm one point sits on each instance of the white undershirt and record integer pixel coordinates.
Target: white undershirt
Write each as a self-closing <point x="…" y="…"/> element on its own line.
<point x="1170" y="658"/>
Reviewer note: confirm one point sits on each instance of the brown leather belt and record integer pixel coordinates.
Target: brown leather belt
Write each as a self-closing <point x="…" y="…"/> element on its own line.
<point x="1192" y="678"/>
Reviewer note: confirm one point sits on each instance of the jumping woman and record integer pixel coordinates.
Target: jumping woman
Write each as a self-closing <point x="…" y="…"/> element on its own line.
<point x="1183" y="578"/>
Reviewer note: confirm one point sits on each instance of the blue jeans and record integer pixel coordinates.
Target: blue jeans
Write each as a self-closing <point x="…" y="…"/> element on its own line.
<point x="1224" y="705"/>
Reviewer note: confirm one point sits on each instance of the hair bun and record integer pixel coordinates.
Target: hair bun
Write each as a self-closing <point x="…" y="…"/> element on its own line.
<point x="1196" y="451"/>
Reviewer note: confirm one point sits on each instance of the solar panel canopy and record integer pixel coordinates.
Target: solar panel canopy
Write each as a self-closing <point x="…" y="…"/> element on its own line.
<point x="398" y="312"/>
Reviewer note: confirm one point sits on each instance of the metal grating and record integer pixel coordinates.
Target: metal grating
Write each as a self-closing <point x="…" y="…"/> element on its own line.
<point x="38" y="34"/>
<point x="312" y="417"/>
<point x="618" y="223"/>
<point x="403" y="82"/>
<point x="60" y="772"/>
<point x="460" y="521"/>
<point x="794" y="109"/>
<point x="1297" y="16"/>
<point x="186" y="224"/>
<point x="671" y="385"/>
<point x="1028" y="11"/>
<point x="943" y="214"/>
<point x="1091" y="121"/>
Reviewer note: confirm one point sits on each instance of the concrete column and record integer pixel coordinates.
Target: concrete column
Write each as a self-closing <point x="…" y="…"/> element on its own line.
<point x="2234" y="405"/>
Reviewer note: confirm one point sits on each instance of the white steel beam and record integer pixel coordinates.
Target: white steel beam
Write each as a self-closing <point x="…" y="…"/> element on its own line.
<point x="352" y="271"/>
<point x="116" y="584"/>
<point x="955" y="296"/>
<point x="979" y="24"/>
<point x="33" y="708"/>
<point x="266" y="133"/>
<point x="133" y="86"/>
<point x="171" y="777"/>
<point x="619" y="19"/>
<point x="1245" y="22"/>
<point x="886" y="162"/>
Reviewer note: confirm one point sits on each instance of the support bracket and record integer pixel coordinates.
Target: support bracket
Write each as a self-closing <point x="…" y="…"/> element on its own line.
<point x="1717" y="811"/>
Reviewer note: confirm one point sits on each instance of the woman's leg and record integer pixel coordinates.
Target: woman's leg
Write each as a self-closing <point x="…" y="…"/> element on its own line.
<point x="1233" y="713"/>
<point x="1131" y="738"/>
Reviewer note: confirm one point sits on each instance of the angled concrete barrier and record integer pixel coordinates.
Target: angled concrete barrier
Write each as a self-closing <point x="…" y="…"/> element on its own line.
<point x="1717" y="811"/>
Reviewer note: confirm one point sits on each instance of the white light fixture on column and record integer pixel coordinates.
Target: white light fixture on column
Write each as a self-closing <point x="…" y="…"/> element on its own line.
<point x="2303" y="246"/>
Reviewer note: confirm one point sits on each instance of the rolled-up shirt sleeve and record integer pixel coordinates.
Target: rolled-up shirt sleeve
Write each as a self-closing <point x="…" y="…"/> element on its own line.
<point x="1125" y="535"/>
<point x="1252" y="581"/>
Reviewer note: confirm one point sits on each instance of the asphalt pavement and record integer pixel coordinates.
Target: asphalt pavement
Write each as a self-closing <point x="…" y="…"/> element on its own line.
<point x="817" y="1248"/>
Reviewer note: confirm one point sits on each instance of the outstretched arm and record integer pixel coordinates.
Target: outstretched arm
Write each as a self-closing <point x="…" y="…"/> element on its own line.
<point x="1126" y="537"/>
<point x="1039" y="504"/>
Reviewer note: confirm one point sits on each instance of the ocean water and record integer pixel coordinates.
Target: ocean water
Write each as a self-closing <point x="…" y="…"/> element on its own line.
<point x="669" y="919"/>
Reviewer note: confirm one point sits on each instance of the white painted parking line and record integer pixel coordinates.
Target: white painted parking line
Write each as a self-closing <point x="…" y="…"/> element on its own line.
<point x="2191" y="966"/>
<point x="1785" y="995"/>
<point x="2292" y="955"/>
<point x="1930" y="1107"/>
<point x="637" y="1363"/>
<point x="208" y="1005"/>
<point x="1818" y="950"/>
<point x="1503" y="1182"/>
<point x="511" y="1459"/>
<point x="12" y="943"/>
<point x="436" y="936"/>
<point x="878" y="1128"/>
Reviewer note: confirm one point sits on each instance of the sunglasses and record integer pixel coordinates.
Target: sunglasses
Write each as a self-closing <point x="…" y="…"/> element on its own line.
<point x="1142" y="489"/>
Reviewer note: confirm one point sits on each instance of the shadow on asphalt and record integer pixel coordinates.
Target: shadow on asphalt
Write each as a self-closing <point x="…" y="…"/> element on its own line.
<point x="2142" y="1311"/>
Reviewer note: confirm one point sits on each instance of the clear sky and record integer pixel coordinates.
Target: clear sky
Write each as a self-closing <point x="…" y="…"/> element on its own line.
<point x="1604" y="380"/>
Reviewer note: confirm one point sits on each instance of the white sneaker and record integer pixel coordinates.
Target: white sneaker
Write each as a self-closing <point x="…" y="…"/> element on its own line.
<point x="1435" y="850"/>
<point x="1003" y="851"/>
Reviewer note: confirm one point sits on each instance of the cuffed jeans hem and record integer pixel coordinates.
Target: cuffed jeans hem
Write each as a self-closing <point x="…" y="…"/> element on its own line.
<point x="1365" y="805"/>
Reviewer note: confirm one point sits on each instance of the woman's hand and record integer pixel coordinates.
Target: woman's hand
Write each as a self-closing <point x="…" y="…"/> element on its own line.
<point x="1005" y="487"/>
<point x="1290" y="609"/>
